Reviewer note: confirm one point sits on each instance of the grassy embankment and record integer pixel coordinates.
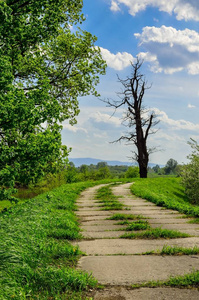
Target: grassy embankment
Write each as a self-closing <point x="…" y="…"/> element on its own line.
<point x="37" y="260"/>
<point x="165" y="192"/>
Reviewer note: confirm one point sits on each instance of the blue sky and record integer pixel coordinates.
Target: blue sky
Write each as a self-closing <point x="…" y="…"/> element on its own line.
<point x="165" y="34"/>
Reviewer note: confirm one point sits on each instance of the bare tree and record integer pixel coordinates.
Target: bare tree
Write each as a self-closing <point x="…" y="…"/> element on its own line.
<point x="137" y="118"/>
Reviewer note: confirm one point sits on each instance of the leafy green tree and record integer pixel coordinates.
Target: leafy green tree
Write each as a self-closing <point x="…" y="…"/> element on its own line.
<point x="101" y="164"/>
<point x="70" y="173"/>
<point x="102" y="173"/>
<point x="156" y="169"/>
<point x="190" y="174"/>
<point x="45" y="67"/>
<point x="170" y="166"/>
<point x="132" y="172"/>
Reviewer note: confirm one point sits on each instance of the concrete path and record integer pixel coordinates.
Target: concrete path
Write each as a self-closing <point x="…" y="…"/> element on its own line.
<point x="118" y="263"/>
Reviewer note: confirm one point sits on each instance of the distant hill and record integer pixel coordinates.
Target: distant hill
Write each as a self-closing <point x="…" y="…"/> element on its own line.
<point x="94" y="161"/>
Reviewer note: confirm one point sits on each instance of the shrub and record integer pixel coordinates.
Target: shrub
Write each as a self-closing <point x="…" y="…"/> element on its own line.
<point x="132" y="172"/>
<point x="190" y="174"/>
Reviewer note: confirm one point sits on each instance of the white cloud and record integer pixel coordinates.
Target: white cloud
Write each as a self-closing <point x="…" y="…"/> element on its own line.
<point x="74" y="128"/>
<point x="175" y="124"/>
<point x="170" y="50"/>
<point x="191" y="106"/>
<point x="103" y="120"/>
<point x="183" y="9"/>
<point x="114" y="6"/>
<point x="117" y="61"/>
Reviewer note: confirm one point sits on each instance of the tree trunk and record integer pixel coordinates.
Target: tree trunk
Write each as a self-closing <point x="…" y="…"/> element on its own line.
<point x="143" y="171"/>
<point x="143" y="156"/>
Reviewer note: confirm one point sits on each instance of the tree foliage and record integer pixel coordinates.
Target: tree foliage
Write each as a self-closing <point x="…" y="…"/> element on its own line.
<point x="190" y="174"/>
<point x="170" y="166"/>
<point x="45" y="67"/>
<point x="132" y="172"/>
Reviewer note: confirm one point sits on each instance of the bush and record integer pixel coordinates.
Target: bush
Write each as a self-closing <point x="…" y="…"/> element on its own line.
<point x="190" y="174"/>
<point x="132" y="172"/>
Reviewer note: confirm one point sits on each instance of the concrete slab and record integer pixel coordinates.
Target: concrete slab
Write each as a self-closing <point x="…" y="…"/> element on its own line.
<point x="181" y="226"/>
<point x="121" y="293"/>
<point x="98" y="228"/>
<point x="123" y="246"/>
<point x="102" y="234"/>
<point x="93" y="213"/>
<point x="99" y="222"/>
<point x="151" y="212"/>
<point x="92" y="218"/>
<point x="173" y="220"/>
<point x="90" y="208"/>
<point x="127" y="270"/>
<point x="137" y="203"/>
<point x="87" y="204"/>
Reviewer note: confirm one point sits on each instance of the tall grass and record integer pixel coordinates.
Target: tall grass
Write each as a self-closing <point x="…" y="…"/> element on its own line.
<point x="36" y="258"/>
<point x="166" y="192"/>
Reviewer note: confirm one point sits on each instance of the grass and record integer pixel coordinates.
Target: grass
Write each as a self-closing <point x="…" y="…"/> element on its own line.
<point x="190" y="280"/>
<point x="37" y="259"/>
<point x="124" y="217"/>
<point x="156" y="233"/>
<point x="168" y="250"/>
<point x="137" y="225"/>
<point x="108" y="199"/>
<point x="165" y="192"/>
<point x="194" y="221"/>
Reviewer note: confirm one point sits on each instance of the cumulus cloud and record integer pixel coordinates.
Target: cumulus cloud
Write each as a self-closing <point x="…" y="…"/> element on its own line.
<point x="170" y="50"/>
<point x="114" y="6"/>
<point x="104" y="121"/>
<point x="117" y="61"/>
<point x="175" y="124"/>
<point x="183" y="9"/>
<point x="74" y="129"/>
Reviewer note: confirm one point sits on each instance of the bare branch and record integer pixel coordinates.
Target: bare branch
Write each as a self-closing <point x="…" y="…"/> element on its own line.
<point x="137" y="116"/>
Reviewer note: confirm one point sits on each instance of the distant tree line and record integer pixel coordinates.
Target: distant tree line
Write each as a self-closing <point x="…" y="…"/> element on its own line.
<point x="102" y="171"/>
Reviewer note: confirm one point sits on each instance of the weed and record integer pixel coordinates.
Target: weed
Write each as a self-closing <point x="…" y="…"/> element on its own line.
<point x="187" y="280"/>
<point x="125" y="217"/>
<point x="156" y="233"/>
<point x="194" y="221"/>
<point x="125" y="222"/>
<point x="137" y="225"/>
<point x="168" y="250"/>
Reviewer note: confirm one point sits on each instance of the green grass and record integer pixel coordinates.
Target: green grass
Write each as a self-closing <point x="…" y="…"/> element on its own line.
<point x="165" y="192"/>
<point x="190" y="280"/>
<point x="168" y="250"/>
<point x="137" y="225"/>
<point x="37" y="259"/>
<point x="119" y="216"/>
<point x="107" y="199"/>
<point x="194" y="221"/>
<point x="157" y="233"/>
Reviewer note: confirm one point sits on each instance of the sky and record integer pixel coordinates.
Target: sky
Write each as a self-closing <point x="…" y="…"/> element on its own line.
<point x="165" y="34"/>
